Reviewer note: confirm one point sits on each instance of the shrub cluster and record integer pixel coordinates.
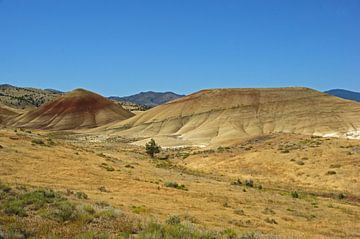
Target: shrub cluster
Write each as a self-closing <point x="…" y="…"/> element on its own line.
<point x="175" y="185"/>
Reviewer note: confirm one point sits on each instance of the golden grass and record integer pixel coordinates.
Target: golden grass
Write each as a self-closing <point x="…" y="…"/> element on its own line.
<point x="137" y="183"/>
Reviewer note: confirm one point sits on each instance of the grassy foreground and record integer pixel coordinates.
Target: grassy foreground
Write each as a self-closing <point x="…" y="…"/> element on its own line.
<point x="27" y="212"/>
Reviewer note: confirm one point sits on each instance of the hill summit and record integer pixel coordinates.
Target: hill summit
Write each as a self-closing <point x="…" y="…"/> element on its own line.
<point x="74" y="110"/>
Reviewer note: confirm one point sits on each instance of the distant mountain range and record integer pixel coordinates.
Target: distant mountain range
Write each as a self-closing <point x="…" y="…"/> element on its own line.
<point x="25" y="97"/>
<point x="345" y="94"/>
<point x="149" y="98"/>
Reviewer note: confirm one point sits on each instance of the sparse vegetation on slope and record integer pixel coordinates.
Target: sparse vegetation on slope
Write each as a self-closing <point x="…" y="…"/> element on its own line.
<point x="19" y="97"/>
<point x="137" y="190"/>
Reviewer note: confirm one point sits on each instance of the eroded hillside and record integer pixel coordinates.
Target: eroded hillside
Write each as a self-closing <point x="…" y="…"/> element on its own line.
<point x="223" y="116"/>
<point x="74" y="110"/>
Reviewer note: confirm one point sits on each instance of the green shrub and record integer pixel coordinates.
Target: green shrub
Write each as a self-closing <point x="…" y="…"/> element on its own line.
<point x="37" y="141"/>
<point x="103" y="189"/>
<point x="178" y="231"/>
<point x="299" y="162"/>
<point x="50" y="141"/>
<point x="239" y="211"/>
<point x="175" y="185"/>
<point x="64" y="211"/>
<point x="138" y="209"/>
<point x="184" y="155"/>
<point x="341" y="196"/>
<point x="249" y="183"/>
<point x="331" y="172"/>
<point x="295" y="194"/>
<point x="92" y="235"/>
<point x="109" y="213"/>
<point x="229" y="233"/>
<point x="81" y="195"/>
<point x="107" y="167"/>
<point x="14" y="208"/>
<point x="37" y="199"/>
<point x="102" y="204"/>
<point x="236" y="182"/>
<point x="89" y="209"/>
<point x="152" y="148"/>
<point x="173" y="220"/>
<point x="5" y="188"/>
<point x="271" y="221"/>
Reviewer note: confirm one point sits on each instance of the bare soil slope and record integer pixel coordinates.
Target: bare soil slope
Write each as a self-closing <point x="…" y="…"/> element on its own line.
<point x="220" y="116"/>
<point x="6" y="113"/>
<point x="75" y="110"/>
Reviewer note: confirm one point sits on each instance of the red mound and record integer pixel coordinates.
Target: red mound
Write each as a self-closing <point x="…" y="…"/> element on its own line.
<point x="75" y="110"/>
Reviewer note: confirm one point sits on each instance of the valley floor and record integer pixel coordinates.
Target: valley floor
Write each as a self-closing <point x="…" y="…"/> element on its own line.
<point x="282" y="186"/>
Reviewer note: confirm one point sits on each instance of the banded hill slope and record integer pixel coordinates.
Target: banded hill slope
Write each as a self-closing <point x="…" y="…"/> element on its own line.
<point x="221" y="116"/>
<point x="6" y="113"/>
<point x="74" y="110"/>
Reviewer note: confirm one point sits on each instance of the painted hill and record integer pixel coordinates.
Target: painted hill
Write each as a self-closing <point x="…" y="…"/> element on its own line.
<point x="74" y="110"/>
<point x="220" y="116"/>
<point x="150" y="98"/>
<point x="29" y="98"/>
<point x="345" y="94"/>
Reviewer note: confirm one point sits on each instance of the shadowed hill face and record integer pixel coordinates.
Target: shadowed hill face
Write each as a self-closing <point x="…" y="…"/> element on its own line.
<point x="74" y="110"/>
<point x="213" y="117"/>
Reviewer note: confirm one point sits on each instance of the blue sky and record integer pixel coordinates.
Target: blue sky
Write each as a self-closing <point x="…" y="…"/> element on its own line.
<point x="121" y="47"/>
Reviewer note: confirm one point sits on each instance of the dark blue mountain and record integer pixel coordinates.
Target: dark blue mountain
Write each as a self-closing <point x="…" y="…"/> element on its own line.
<point x="345" y="94"/>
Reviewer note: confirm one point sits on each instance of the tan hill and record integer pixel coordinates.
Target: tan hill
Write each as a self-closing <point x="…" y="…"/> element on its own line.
<point x="6" y="113"/>
<point x="75" y="110"/>
<point x="221" y="116"/>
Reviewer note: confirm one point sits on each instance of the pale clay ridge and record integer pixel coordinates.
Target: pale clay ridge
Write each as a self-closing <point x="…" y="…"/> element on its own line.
<point x="224" y="116"/>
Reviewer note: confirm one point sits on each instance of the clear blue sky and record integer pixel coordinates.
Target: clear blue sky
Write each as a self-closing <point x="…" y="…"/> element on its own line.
<point x="121" y="47"/>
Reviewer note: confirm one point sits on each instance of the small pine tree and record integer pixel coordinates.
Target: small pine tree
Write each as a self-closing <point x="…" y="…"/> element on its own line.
<point x="152" y="148"/>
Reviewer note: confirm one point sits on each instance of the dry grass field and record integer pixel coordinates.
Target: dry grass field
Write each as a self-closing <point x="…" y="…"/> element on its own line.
<point x="277" y="186"/>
